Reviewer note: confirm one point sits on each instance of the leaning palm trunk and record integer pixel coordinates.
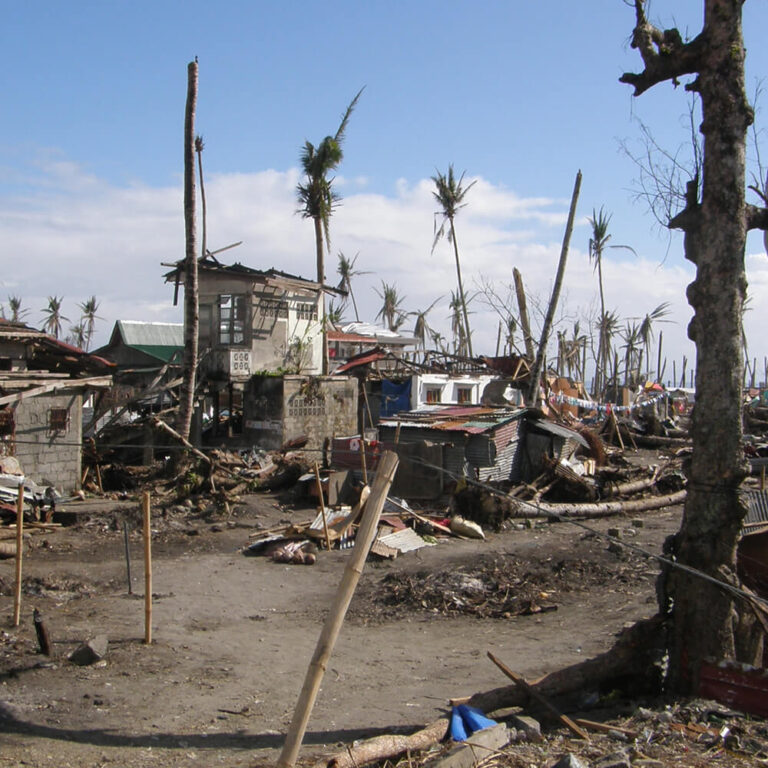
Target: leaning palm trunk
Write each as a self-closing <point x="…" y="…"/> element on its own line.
<point x="191" y="312"/>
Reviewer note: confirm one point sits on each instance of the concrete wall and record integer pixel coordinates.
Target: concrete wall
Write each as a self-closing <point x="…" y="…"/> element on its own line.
<point x="319" y="407"/>
<point x="50" y="458"/>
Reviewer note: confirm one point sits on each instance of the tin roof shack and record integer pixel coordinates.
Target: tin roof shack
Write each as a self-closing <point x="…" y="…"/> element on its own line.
<point x="438" y="445"/>
<point x="42" y="385"/>
<point x="545" y="442"/>
<point x="277" y="409"/>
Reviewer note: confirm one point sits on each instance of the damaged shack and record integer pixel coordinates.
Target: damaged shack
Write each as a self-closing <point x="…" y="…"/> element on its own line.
<point x="43" y="384"/>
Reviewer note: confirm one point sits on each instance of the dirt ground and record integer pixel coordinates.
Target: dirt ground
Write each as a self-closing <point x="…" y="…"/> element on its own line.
<point x="233" y="635"/>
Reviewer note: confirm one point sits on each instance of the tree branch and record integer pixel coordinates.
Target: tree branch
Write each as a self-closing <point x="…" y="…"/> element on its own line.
<point x="665" y="55"/>
<point x="757" y="218"/>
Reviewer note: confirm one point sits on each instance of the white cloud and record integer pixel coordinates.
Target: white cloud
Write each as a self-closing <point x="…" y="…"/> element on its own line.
<point x="74" y="235"/>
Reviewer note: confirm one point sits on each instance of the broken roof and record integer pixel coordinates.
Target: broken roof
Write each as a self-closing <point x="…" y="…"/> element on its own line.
<point x="455" y="418"/>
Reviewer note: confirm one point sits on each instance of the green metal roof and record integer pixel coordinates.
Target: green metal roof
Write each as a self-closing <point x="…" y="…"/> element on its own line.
<point x="160" y="340"/>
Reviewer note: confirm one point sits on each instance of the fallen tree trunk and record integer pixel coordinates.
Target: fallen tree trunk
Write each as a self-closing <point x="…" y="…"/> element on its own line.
<point x="653" y="441"/>
<point x="602" y="509"/>
<point x="622" y="489"/>
<point x="631" y="657"/>
<point x="387" y="747"/>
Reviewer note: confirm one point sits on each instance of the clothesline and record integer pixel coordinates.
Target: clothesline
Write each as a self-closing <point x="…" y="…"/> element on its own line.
<point x="607" y="408"/>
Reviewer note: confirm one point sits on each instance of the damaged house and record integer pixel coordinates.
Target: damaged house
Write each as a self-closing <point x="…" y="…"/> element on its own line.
<point x="43" y="385"/>
<point x="260" y="349"/>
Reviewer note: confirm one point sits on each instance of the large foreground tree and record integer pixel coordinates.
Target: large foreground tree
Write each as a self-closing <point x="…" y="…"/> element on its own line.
<point x="708" y="620"/>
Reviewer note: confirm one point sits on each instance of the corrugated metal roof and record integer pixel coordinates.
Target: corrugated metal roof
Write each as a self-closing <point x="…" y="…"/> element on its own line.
<point x="559" y="430"/>
<point x="757" y="507"/>
<point x="139" y="334"/>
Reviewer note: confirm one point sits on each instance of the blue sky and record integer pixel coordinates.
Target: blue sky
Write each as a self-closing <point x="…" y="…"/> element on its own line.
<point x="518" y="95"/>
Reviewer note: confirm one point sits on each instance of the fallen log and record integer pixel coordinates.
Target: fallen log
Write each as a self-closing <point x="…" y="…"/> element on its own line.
<point x="603" y="508"/>
<point x="653" y="441"/>
<point x="625" y="489"/>
<point x="630" y="658"/>
<point x="387" y="747"/>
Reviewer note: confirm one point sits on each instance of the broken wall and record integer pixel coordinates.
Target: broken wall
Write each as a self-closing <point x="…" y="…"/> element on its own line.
<point x="48" y="439"/>
<point x="319" y="407"/>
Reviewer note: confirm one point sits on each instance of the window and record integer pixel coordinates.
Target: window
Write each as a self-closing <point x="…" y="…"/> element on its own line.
<point x="306" y="310"/>
<point x="463" y="395"/>
<point x="231" y="319"/>
<point x="58" y="420"/>
<point x="432" y="394"/>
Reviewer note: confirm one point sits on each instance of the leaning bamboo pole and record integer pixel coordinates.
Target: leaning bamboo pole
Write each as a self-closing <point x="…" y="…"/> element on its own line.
<point x="19" y="555"/>
<point x="385" y="473"/>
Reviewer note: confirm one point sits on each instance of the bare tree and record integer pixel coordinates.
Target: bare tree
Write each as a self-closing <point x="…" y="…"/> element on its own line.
<point x="706" y="619"/>
<point x="191" y="310"/>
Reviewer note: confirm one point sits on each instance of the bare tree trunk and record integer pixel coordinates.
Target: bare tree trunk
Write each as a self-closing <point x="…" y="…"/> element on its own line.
<point x="706" y="618"/>
<point x="523" y="307"/>
<point x="461" y="290"/>
<point x="191" y="312"/>
<point x="320" y="250"/>
<point x="533" y="391"/>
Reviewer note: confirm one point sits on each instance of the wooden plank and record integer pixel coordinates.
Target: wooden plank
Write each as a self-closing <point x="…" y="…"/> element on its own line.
<point x="478" y="747"/>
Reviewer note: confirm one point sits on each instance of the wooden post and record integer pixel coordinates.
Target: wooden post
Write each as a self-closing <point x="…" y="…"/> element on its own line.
<point x="127" y="557"/>
<point x="384" y="476"/>
<point x="523" y="307"/>
<point x="145" y="505"/>
<point x="322" y="507"/>
<point x="19" y="554"/>
<point x="362" y="459"/>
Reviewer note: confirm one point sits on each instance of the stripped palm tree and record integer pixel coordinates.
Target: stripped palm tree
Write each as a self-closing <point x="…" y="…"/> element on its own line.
<point x="598" y="242"/>
<point x="89" y="308"/>
<point x="346" y="270"/>
<point x="421" y="328"/>
<point x="316" y="197"/>
<point x="646" y="330"/>
<point x="390" y="311"/>
<point x="457" y="307"/>
<point x="450" y="194"/>
<point x="78" y="335"/>
<point x="17" y="313"/>
<point x="53" y="316"/>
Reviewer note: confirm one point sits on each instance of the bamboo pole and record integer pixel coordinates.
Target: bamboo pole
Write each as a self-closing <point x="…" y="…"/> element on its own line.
<point x="145" y="505"/>
<point x="322" y="507"/>
<point x="19" y="554"/>
<point x="384" y="476"/>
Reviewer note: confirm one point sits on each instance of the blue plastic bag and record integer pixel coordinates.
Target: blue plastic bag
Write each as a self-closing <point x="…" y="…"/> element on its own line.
<point x="466" y="720"/>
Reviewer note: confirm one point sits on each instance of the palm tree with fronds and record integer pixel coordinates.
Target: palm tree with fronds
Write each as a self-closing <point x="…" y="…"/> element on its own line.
<point x="346" y="270"/>
<point x="646" y="329"/>
<point x="17" y="313"/>
<point x="78" y="335"/>
<point x="450" y="193"/>
<point x="53" y="316"/>
<point x="598" y="242"/>
<point x="89" y="308"/>
<point x="458" y="327"/>
<point x="317" y="198"/>
<point x="390" y="312"/>
<point x="421" y="328"/>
